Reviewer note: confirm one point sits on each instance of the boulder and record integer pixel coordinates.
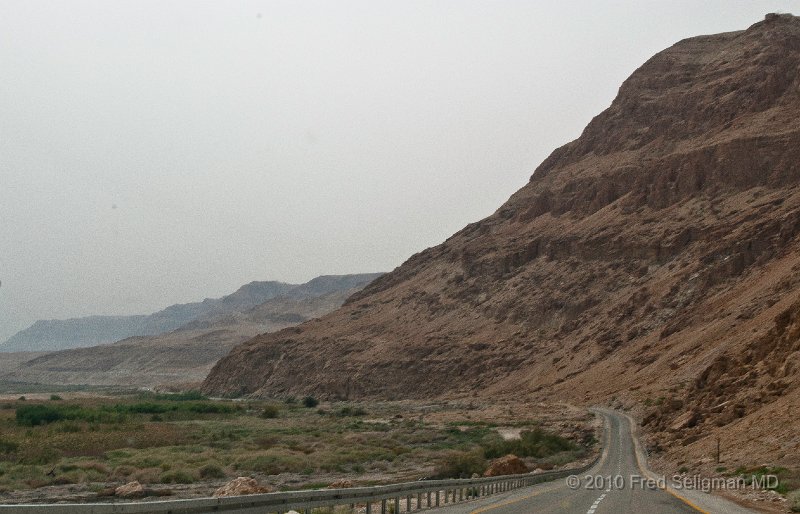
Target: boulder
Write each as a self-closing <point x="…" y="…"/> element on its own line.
<point x="241" y="486"/>
<point x="508" y="465"/>
<point x="130" y="490"/>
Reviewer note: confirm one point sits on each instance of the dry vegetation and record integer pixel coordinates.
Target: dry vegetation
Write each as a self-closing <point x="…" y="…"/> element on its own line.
<point x="186" y="445"/>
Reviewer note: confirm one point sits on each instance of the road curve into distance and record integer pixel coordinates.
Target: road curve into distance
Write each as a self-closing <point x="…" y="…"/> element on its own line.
<point x="616" y="484"/>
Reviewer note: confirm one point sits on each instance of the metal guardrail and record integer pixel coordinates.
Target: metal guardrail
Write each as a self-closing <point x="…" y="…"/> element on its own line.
<point x="394" y="498"/>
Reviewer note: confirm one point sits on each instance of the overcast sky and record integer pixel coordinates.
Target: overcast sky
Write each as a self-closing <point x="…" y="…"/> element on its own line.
<point x="162" y="152"/>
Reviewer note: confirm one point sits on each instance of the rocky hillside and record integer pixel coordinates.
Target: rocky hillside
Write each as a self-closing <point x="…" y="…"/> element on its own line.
<point x="45" y="335"/>
<point x="651" y="262"/>
<point x="185" y="355"/>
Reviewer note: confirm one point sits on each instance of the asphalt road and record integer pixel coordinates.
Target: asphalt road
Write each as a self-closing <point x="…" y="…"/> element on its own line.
<point x="616" y="484"/>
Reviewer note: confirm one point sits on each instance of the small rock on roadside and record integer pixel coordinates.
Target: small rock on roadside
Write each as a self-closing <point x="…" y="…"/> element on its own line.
<point x="241" y="486"/>
<point x="340" y="484"/>
<point x="130" y="490"/>
<point x="508" y="465"/>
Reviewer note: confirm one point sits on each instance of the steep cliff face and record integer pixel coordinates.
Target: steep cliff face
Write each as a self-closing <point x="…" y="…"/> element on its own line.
<point x="637" y="255"/>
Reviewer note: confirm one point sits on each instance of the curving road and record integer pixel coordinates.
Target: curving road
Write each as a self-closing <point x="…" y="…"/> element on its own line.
<point x="621" y="488"/>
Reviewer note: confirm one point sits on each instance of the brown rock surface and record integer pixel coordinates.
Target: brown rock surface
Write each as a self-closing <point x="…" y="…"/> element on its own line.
<point x="648" y="262"/>
<point x="508" y="465"/>
<point x="241" y="486"/>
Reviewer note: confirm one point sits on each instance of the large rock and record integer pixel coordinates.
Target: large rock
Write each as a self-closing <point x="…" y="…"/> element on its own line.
<point x="508" y="465"/>
<point x="130" y="490"/>
<point x="241" y="486"/>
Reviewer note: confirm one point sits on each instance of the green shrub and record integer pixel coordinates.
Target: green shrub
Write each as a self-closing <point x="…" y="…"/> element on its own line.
<point x="310" y="402"/>
<point x="33" y="415"/>
<point x="270" y="411"/>
<point x="351" y="411"/>
<point x="211" y="471"/>
<point x="460" y="465"/>
<point x="55" y="398"/>
<point x="533" y="443"/>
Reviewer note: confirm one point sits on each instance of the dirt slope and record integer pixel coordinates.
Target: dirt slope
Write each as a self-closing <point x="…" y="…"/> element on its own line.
<point x="641" y="263"/>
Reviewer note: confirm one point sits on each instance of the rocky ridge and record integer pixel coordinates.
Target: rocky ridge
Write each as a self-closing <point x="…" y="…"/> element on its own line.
<point x="649" y="264"/>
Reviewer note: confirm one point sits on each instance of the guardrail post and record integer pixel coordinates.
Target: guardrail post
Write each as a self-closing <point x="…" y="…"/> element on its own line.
<point x="396" y="504"/>
<point x="429" y="498"/>
<point x="383" y="506"/>
<point x="437" y="498"/>
<point x="408" y="503"/>
<point x="369" y="507"/>
<point x="461" y="494"/>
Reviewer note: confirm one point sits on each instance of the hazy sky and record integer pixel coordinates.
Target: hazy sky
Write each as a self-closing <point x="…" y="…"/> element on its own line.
<point x="162" y="152"/>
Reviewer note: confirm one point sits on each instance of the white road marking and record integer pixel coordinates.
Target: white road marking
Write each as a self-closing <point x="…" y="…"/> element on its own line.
<point x="596" y="504"/>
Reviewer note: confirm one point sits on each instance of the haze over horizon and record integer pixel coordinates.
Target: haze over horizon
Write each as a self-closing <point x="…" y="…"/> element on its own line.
<point x="156" y="153"/>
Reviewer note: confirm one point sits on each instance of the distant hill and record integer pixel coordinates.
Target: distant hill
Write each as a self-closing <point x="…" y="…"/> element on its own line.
<point x="46" y="335"/>
<point x="185" y="355"/>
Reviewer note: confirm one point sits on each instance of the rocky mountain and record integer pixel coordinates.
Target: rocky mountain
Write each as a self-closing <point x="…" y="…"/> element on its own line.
<point x="185" y="355"/>
<point x="46" y="335"/>
<point x="653" y="263"/>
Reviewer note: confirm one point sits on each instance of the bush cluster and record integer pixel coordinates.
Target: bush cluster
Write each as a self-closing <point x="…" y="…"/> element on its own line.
<point x="535" y="443"/>
<point x="40" y="414"/>
<point x="461" y="465"/>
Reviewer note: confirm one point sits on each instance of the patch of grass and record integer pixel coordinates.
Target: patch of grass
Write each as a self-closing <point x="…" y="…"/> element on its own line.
<point x="350" y="411"/>
<point x="177" y="477"/>
<point x="272" y="462"/>
<point x="174" y="397"/>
